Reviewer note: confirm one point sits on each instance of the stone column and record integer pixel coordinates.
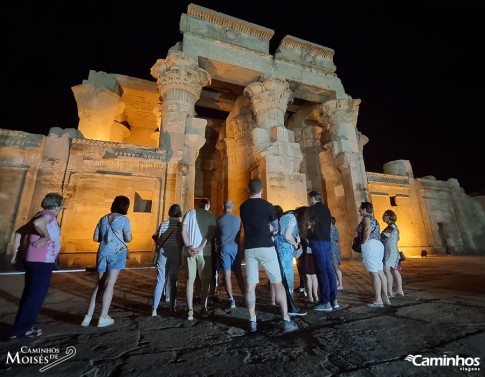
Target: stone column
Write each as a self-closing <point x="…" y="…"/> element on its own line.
<point x="119" y="132"/>
<point x="157" y="111"/>
<point x="98" y="107"/>
<point x="194" y="140"/>
<point x="180" y="82"/>
<point x="274" y="146"/>
<point x="344" y="158"/>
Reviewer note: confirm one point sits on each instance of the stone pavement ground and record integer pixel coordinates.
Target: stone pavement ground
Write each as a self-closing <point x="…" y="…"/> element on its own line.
<point x="442" y="315"/>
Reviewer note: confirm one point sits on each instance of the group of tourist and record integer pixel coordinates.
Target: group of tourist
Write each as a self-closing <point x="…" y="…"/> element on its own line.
<point x="203" y="243"/>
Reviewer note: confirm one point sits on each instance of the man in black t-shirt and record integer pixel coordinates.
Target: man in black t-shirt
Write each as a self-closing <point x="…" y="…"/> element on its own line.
<point x="259" y="220"/>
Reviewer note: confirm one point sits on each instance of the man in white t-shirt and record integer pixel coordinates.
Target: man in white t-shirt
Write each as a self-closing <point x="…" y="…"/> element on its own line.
<point x="198" y="230"/>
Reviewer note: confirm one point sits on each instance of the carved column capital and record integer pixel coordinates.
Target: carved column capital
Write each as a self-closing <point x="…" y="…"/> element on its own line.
<point x="180" y="82"/>
<point x="269" y="100"/>
<point x="97" y="109"/>
<point x="182" y="74"/>
<point x="341" y="111"/>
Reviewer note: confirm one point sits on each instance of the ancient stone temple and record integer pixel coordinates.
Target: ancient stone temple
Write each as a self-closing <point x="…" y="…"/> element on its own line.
<point x="219" y="111"/>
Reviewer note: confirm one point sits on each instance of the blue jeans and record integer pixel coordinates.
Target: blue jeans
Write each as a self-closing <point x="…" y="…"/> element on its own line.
<point x="327" y="280"/>
<point x="37" y="282"/>
<point x="168" y="265"/>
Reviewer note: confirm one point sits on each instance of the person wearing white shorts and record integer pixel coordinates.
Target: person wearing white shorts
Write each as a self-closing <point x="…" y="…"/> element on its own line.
<point x="372" y="254"/>
<point x="259" y="220"/>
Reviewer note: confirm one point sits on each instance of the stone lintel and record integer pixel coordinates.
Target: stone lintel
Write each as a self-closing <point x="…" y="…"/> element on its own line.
<point x="123" y="150"/>
<point x="19" y="139"/>
<point x="210" y="24"/>
<point x="306" y="53"/>
<point x="136" y="83"/>
<point x="388" y="178"/>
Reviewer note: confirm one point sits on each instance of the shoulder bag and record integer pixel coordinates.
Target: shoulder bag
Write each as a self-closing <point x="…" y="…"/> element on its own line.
<point x="122" y="241"/>
<point x="357" y="242"/>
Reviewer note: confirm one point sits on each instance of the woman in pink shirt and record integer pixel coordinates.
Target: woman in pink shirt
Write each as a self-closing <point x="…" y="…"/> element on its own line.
<point x="43" y="247"/>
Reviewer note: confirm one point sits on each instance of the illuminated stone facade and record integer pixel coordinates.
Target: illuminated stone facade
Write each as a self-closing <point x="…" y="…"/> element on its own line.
<point x="222" y="111"/>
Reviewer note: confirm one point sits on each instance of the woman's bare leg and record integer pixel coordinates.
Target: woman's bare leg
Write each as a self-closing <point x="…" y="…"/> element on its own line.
<point x="108" y="291"/>
<point x="376" y="284"/>
<point x="390" y="281"/>
<point x="94" y="293"/>
<point x="309" y="287"/>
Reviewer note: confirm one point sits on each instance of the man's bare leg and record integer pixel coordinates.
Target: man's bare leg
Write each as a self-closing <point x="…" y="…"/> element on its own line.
<point x="280" y="296"/>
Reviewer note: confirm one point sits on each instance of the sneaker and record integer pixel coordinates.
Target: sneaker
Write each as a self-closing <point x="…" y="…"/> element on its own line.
<point x="289" y="326"/>
<point x="107" y="321"/>
<point x="167" y="299"/>
<point x="34" y="332"/>
<point x="335" y="304"/>
<point x="190" y="315"/>
<point x="299" y="312"/>
<point x="86" y="321"/>
<point x="154" y="312"/>
<point x="253" y="326"/>
<point x="323" y="307"/>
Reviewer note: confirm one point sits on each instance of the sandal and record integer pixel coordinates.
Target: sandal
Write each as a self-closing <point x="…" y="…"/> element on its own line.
<point x="399" y="293"/>
<point x="374" y="305"/>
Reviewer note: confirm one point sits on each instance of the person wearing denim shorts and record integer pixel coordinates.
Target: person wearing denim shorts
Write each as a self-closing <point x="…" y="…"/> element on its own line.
<point x="259" y="220"/>
<point x="229" y="229"/>
<point x="113" y="232"/>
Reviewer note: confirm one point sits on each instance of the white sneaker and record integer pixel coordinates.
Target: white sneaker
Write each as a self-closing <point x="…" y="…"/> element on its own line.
<point x="154" y="312"/>
<point x="86" y="321"/>
<point x="107" y="321"/>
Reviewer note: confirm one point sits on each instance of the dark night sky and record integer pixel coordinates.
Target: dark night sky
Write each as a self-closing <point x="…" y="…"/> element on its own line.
<point x="417" y="67"/>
